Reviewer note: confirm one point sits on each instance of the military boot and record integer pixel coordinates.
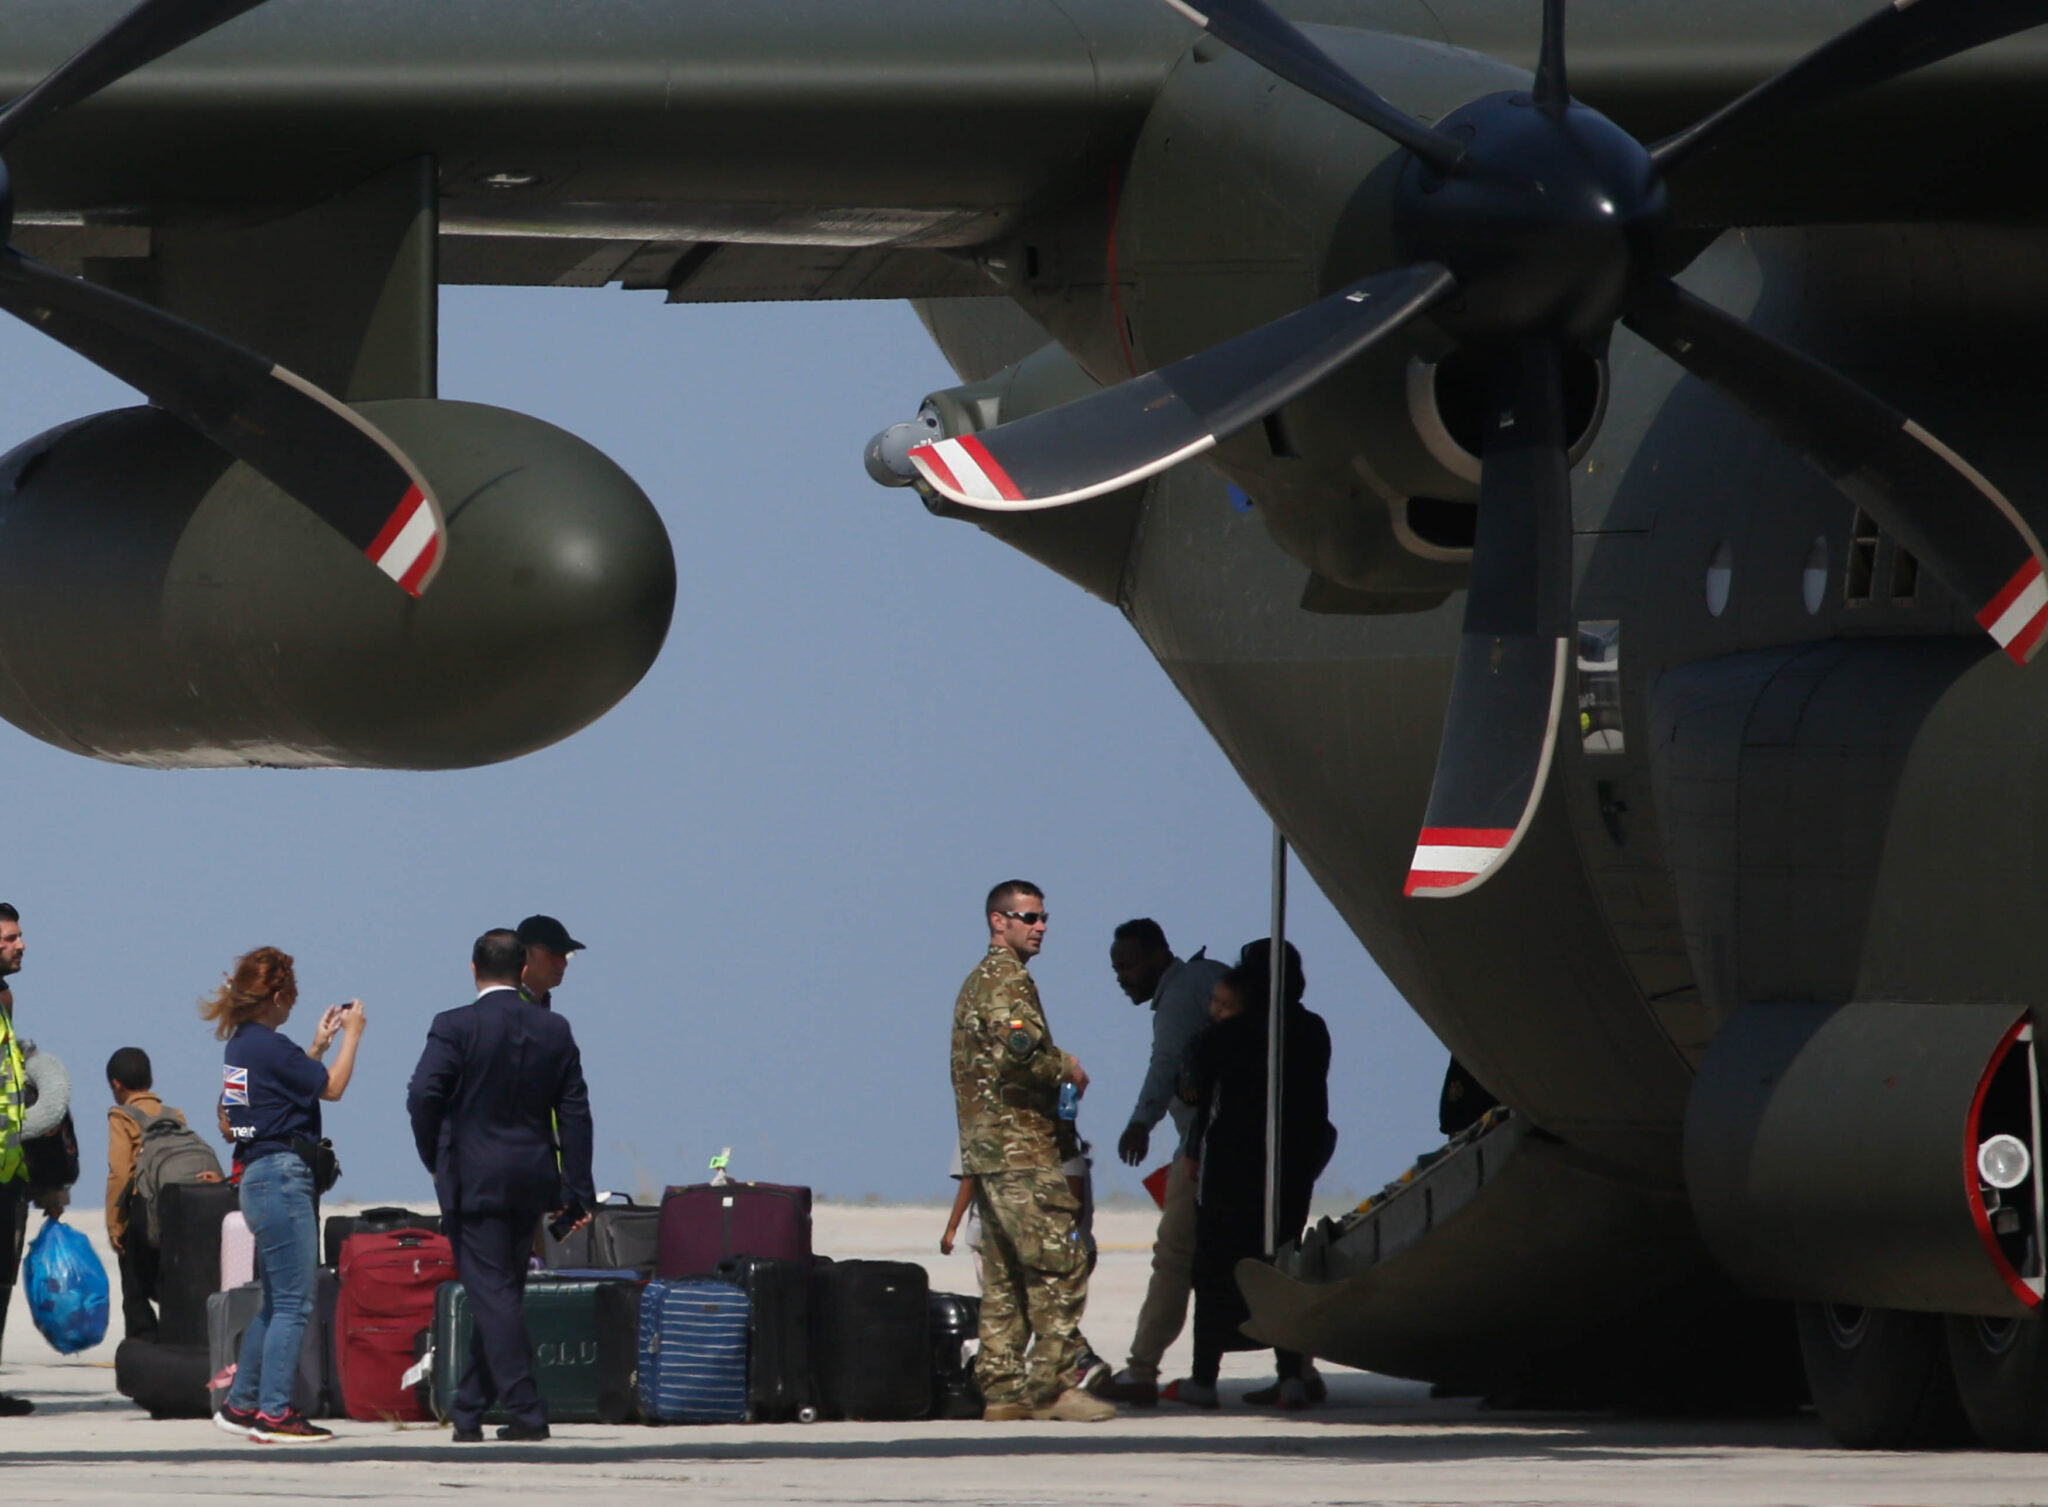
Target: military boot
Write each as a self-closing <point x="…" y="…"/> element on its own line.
<point x="1076" y="1406"/>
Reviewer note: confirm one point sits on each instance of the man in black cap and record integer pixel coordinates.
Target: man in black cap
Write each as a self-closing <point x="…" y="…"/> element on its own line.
<point x="548" y="949"/>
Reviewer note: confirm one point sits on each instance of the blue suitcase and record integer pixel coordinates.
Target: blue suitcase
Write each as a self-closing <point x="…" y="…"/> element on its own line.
<point x="693" y="1351"/>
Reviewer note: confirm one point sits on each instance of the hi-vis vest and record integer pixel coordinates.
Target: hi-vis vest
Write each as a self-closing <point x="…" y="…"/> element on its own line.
<point x="13" y="1108"/>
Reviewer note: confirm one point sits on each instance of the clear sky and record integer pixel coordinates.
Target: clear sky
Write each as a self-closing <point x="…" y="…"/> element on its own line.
<point x="776" y="847"/>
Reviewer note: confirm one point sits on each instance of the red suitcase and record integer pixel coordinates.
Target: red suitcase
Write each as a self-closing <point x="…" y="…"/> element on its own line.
<point x="713" y="1222"/>
<point x="388" y="1282"/>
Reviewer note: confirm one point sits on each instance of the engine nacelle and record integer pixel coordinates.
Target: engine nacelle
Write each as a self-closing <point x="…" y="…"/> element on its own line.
<point x="1245" y="200"/>
<point x="163" y="605"/>
<point x="1880" y="1154"/>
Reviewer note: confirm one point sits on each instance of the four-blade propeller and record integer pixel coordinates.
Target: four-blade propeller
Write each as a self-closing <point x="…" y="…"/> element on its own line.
<point x="1578" y="205"/>
<point x="308" y="442"/>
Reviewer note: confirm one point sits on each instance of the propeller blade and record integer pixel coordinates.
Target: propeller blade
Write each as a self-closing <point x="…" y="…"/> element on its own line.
<point x="1552" y="90"/>
<point x="1280" y="47"/>
<point x="1905" y="35"/>
<point x="311" y="444"/>
<point x="1508" y="687"/>
<point x="1126" y="433"/>
<point x="145" y="34"/>
<point x="1921" y="492"/>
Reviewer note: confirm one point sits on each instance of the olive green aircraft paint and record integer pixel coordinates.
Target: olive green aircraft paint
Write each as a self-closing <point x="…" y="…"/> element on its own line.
<point x="249" y="634"/>
<point x="1751" y="812"/>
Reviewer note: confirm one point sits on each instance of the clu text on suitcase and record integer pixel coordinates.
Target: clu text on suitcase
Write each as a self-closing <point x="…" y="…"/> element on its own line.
<point x="585" y="1328"/>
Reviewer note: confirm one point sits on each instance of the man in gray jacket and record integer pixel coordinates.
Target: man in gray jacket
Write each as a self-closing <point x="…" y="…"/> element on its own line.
<point x="1178" y="992"/>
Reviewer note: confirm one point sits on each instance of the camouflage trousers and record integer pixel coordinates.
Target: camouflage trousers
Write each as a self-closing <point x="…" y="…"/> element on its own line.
<point x="1034" y="1286"/>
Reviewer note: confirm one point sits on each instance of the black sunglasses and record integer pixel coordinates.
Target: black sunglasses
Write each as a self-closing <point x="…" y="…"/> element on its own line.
<point x="1028" y="917"/>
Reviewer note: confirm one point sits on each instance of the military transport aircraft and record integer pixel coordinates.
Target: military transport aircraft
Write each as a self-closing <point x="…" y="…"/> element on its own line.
<point x="1586" y="477"/>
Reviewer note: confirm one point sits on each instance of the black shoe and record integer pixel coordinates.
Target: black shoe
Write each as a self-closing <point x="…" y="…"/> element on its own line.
<point x="291" y="1428"/>
<point x="469" y="1436"/>
<point x="523" y="1433"/>
<point x="1312" y="1380"/>
<point x="15" y="1407"/>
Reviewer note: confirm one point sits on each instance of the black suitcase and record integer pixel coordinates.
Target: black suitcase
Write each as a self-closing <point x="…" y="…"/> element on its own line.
<point x="370" y="1222"/>
<point x="956" y="1323"/>
<point x="188" y="1271"/>
<point x="168" y="1380"/>
<point x="779" y="1384"/>
<point x="871" y="1349"/>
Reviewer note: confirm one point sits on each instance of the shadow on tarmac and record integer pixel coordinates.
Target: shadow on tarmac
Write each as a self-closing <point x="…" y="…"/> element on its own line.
<point x="1373" y="1438"/>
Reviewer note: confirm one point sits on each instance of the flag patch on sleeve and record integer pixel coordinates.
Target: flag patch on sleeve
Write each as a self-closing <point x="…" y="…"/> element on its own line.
<point x="234" y="1085"/>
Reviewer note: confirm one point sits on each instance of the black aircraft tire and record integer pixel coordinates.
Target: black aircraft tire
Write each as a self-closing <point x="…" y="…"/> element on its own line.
<point x="1880" y="1377"/>
<point x="2001" y="1371"/>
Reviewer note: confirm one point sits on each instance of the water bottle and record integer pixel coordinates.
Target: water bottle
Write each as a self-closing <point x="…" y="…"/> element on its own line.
<point x="1070" y="1101"/>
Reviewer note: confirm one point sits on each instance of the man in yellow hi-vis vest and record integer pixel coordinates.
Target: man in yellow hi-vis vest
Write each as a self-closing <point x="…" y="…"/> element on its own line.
<point x="14" y="1199"/>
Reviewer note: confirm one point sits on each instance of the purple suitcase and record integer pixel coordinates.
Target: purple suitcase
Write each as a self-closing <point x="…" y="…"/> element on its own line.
<point x="713" y="1222"/>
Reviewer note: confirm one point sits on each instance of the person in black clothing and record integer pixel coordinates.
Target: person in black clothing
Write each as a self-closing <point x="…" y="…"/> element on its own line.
<point x="1464" y="1101"/>
<point x="1226" y="1082"/>
<point x="548" y="950"/>
<point x="497" y="1078"/>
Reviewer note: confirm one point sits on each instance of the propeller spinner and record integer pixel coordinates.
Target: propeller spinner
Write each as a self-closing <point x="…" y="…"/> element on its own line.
<point x="1543" y="218"/>
<point x="311" y="444"/>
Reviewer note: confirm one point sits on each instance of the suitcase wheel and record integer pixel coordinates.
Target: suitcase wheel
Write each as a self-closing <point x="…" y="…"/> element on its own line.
<point x="807" y="1414"/>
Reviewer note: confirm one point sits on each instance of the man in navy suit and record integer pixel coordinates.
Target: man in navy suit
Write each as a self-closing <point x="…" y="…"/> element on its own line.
<point x="497" y="1078"/>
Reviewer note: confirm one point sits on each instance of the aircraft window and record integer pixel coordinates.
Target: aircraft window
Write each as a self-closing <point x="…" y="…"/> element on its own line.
<point x="1813" y="580"/>
<point x="1861" y="567"/>
<point x="1905" y="576"/>
<point x="1599" y="665"/>
<point x="1720" y="578"/>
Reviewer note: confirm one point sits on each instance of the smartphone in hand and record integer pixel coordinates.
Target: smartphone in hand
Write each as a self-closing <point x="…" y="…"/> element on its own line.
<point x="560" y="1226"/>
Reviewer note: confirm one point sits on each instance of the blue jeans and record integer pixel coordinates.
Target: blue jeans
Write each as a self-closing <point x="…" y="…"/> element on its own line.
<point x="277" y="1202"/>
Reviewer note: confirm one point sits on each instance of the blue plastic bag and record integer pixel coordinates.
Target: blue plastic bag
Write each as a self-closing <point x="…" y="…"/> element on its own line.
<point x="67" y="1288"/>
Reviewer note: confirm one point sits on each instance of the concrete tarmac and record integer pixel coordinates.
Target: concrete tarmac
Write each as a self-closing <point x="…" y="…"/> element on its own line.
<point x="1378" y="1440"/>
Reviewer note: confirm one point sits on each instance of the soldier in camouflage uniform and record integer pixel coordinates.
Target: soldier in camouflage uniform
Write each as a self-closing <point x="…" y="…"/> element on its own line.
<point x="1006" y="1084"/>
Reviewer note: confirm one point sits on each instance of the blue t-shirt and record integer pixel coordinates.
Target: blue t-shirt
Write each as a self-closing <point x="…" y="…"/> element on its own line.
<point x="272" y="1092"/>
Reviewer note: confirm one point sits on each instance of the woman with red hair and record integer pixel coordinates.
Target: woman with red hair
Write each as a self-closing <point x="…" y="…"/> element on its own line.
<point x="271" y="1094"/>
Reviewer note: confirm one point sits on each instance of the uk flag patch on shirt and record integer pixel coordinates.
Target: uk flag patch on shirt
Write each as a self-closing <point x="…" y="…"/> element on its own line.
<point x="234" y="1085"/>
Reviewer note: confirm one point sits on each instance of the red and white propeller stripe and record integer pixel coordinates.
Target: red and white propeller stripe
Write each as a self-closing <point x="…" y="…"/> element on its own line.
<point x="410" y="543"/>
<point x="1447" y="859"/>
<point x="2019" y="613"/>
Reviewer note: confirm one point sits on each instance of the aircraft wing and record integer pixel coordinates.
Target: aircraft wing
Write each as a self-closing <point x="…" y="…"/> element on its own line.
<point x="821" y="149"/>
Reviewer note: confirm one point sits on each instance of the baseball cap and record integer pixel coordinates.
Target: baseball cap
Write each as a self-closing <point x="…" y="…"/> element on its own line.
<point x="549" y="933"/>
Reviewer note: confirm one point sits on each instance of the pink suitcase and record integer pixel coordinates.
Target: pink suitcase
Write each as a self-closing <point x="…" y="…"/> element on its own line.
<point x="237" y="1252"/>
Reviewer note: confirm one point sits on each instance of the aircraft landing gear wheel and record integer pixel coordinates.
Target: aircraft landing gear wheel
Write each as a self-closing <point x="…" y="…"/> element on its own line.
<point x="1880" y="1377"/>
<point x="2001" y="1371"/>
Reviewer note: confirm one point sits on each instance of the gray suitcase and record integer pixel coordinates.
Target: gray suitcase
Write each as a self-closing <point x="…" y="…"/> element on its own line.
<point x="228" y="1317"/>
<point x="620" y="1237"/>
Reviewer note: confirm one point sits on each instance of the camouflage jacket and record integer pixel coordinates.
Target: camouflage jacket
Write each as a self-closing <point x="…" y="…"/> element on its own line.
<point x="1006" y="1071"/>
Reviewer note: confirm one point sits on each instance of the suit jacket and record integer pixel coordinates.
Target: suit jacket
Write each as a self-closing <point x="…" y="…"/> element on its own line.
<point x="499" y="1079"/>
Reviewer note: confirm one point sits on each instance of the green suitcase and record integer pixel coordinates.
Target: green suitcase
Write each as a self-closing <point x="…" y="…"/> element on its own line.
<point x="585" y="1329"/>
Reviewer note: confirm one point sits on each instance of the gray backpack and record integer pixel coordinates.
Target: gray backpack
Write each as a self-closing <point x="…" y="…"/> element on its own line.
<point x="171" y="1152"/>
